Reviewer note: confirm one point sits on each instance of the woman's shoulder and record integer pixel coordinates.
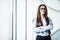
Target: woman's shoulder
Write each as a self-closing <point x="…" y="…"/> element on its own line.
<point x="34" y="19"/>
<point x="49" y="18"/>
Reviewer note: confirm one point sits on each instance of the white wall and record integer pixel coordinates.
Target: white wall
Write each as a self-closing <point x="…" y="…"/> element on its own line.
<point x="21" y="19"/>
<point x="5" y="19"/>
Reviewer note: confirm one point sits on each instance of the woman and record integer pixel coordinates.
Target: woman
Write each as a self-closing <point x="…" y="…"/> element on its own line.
<point x="42" y="24"/>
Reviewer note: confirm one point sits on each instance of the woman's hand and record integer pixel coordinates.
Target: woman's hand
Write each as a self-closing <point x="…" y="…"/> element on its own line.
<point x="40" y="27"/>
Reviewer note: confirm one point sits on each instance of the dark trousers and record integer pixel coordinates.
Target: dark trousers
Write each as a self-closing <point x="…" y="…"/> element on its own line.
<point x="43" y="37"/>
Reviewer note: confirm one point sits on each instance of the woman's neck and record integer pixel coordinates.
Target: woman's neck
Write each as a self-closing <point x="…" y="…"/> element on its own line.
<point x="42" y="16"/>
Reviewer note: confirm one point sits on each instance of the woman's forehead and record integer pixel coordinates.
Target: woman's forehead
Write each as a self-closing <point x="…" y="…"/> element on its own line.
<point x="42" y="7"/>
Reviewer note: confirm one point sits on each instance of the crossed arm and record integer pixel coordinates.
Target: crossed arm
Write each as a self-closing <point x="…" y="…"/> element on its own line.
<point x="44" y="28"/>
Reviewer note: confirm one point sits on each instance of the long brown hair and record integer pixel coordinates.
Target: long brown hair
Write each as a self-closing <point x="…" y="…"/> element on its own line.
<point x="38" y="20"/>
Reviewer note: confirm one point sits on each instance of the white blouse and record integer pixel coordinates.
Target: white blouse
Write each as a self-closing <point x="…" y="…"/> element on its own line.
<point x="43" y="29"/>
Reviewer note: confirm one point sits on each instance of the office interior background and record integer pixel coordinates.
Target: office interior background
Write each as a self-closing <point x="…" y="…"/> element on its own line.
<point x="16" y="18"/>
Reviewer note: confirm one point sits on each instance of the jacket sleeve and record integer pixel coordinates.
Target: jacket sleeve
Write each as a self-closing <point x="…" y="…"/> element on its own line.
<point x="36" y="29"/>
<point x="49" y="27"/>
<point x="42" y="28"/>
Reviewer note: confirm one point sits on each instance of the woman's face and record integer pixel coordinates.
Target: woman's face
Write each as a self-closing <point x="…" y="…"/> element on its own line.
<point x="42" y="10"/>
